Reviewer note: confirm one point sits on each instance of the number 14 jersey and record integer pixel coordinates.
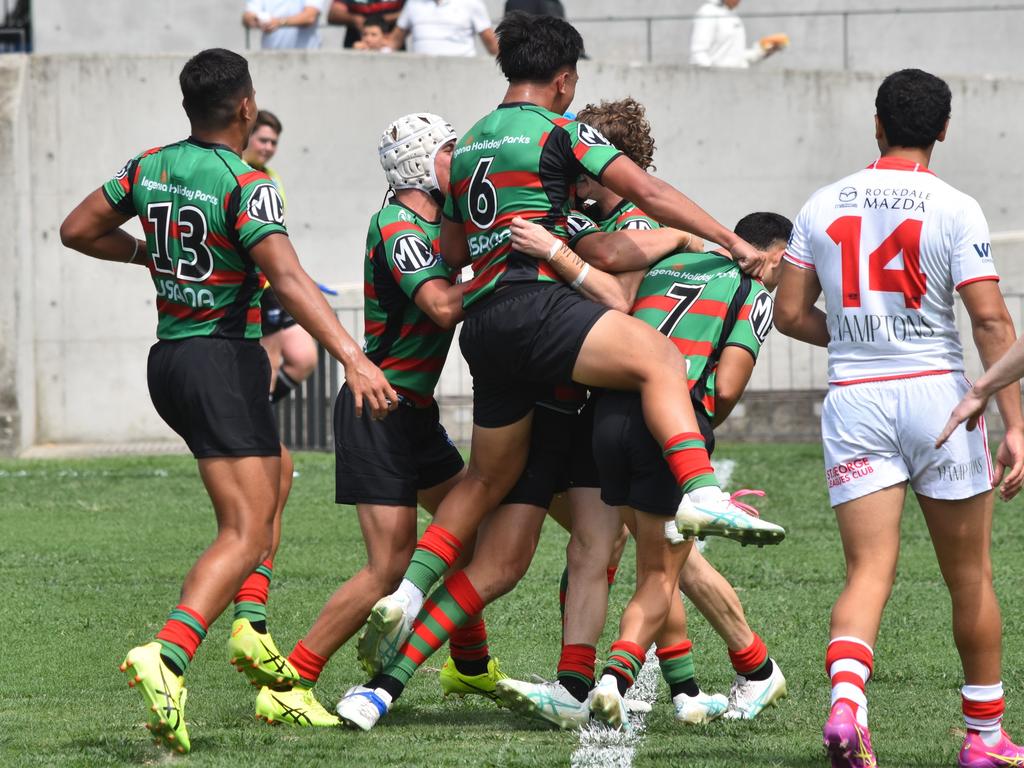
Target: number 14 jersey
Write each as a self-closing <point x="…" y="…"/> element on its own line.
<point x="890" y="244"/>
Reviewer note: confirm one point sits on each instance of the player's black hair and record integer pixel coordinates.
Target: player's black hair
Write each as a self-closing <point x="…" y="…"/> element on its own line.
<point x="913" y="107"/>
<point x="212" y="82"/>
<point x="763" y="229"/>
<point x="532" y="49"/>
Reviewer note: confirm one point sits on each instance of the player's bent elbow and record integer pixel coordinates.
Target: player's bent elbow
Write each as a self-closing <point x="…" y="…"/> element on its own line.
<point x="785" y="319"/>
<point x="71" y="234"/>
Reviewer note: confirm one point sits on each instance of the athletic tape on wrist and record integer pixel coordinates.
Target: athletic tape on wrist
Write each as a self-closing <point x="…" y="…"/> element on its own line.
<point x="580" y="277"/>
<point x="555" y="247"/>
<point x="134" y="253"/>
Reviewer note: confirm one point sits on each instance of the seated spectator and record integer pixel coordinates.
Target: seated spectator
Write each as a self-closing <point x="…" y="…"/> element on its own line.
<point x="444" y="27"/>
<point x="284" y="23"/>
<point x="375" y="35"/>
<point x="536" y="7"/>
<point x="720" y="40"/>
<point x="355" y="13"/>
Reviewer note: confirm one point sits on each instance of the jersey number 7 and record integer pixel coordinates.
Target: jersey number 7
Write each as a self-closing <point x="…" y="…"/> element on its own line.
<point x="685" y="296"/>
<point x="905" y="239"/>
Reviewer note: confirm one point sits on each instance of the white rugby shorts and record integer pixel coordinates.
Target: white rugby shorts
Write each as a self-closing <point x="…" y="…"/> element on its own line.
<point x="878" y="434"/>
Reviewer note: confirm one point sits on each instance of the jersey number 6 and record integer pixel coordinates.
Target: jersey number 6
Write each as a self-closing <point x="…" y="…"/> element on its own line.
<point x="483" y="197"/>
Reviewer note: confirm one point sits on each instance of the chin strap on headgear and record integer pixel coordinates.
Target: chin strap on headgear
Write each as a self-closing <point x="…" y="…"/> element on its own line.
<point x="407" y="149"/>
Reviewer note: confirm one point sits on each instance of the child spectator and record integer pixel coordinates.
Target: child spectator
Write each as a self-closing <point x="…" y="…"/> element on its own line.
<point x="374" y="36"/>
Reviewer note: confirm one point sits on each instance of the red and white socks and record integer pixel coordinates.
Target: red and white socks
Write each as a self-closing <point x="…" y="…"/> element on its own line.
<point x="849" y="663"/>
<point x="983" y="707"/>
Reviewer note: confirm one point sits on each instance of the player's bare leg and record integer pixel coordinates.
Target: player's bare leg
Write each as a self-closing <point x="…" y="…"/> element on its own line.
<point x="251" y="649"/>
<point x="596" y="529"/>
<point x="961" y="533"/>
<point x="298" y="351"/>
<point x="870" y="529"/>
<point x="621" y="352"/>
<point x="658" y="563"/>
<point x="504" y="549"/>
<point x="272" y="345"/>
<point x="713" y="595"/>
<point x="244" y="493"/>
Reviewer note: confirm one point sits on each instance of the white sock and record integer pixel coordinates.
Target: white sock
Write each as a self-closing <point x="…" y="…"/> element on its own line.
<point x="706" y="495"/>
<point x="411" y="594"/>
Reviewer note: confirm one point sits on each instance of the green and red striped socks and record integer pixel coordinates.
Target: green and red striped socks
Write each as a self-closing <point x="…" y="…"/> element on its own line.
<point x="676" y="662"/>
<point x="180" y="637"/>
<point x="450" y="606"/>
<point x="251" y="600"/>
<point x="624" y="663"/>
<point x="435" y="552"/>
<point x="687" y="457"/>
<point x="468" y="647"/>
<point x="576" y="669"/>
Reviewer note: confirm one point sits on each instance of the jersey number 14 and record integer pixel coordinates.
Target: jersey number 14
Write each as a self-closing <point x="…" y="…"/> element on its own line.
<point x="906" y="239"/>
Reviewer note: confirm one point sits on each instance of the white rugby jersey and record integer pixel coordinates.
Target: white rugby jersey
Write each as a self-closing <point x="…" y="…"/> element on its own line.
<point x="890" y="244"/>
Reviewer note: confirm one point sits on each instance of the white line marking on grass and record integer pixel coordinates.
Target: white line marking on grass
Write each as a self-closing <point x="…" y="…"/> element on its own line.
<point x="600" y="746"/>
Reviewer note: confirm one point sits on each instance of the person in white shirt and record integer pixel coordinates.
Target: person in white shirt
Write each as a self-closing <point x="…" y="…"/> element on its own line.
<point x="888" y="246"/>
<point x="444" y="27"/>
<point x="719" y="38"/>
<point x="284" y="23"/>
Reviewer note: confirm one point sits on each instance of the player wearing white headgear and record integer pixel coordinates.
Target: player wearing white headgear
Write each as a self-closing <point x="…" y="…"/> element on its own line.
<point x="385" y="468"/>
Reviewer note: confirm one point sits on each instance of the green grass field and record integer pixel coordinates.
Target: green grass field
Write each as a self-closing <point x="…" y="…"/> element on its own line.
<point x="92" y="554"/>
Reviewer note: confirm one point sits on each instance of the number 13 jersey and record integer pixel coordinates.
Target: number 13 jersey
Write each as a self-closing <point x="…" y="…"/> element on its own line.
<point x="890" y="244"/>
<point x="202" y="208"/>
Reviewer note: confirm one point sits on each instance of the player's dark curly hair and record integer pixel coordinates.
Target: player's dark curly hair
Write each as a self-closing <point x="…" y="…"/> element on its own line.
<point x="212" y="82"/>
<point x="531" y="49"/>
<point x="763" y="229"/>
<point x="913" y="107"/>
<point x="624" y="123"/>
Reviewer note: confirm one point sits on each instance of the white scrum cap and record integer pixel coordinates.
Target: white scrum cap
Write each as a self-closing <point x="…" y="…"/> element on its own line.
<point x="408" y="147"/>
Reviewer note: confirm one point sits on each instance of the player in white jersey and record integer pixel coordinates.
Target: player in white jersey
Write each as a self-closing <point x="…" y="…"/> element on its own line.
<point x="888" y="246"/>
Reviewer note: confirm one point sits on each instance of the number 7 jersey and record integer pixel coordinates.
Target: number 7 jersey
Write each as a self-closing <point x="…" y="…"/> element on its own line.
<point x="202" y="208"/>
<point x="890" y="244"/>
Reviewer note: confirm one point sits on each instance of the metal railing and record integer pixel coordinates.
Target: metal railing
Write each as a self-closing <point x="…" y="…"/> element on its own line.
<point x="844" y="18"/>
<point x="15" y="27"/>
<point x="786" y="371"/>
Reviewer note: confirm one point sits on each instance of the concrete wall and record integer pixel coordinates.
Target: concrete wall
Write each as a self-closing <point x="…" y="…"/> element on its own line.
<point x="17" y="368"/>
<point x="735" y="141"/>
<point x="890" y="38"/>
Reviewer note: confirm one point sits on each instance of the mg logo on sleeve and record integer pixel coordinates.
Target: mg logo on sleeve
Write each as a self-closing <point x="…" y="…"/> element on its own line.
<point x="592" y="137"/>
<point x="761" y="315"/>
<point x="640" y="224"/>
<point x="411" y="254"/>
<point x="266" y="205"/>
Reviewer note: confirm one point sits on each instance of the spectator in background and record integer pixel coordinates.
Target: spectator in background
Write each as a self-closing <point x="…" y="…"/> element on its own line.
<point x="444" y="27"/>
<point x="536" y="7"/>
<point x="355" y="13"/>
<point x="720" y="40"/>
<point x="289" y="346"/>
<point x="375" y="35"/>
<point x="285" y="23"/>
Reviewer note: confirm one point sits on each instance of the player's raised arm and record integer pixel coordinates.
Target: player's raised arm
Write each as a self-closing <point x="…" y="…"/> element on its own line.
<point x="630" y="249"/>
<point x="302" y="298"/>
<point x="668" y="205"/>
<point x="94" y="228"/>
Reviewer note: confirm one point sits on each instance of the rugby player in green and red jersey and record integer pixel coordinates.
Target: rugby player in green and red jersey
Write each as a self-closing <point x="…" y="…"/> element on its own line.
<point x="594" y="544"/>
<point x="214" y="233"/>
<point x="710" y="311"/>
<point x="525" y="331"/>
<point x="385" y="468"/>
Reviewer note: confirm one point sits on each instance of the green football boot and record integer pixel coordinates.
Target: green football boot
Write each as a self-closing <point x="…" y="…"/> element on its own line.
<point x="256" y="656"/>
<point x="164" y="693"/>
<point x="295" y="707"/>
<point x="454" y="682"/>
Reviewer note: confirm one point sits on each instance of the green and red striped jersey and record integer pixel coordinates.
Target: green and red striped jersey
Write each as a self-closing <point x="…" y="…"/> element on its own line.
<point x="626" y="216"/>
<point x="704" y="304"/>
<point x="202" y="208"/>
<point x="520" y="160"/>
<point x="402" y="254"/>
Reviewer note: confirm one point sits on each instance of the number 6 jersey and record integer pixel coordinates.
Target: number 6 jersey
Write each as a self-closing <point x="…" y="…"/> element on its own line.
<point x="202" y="208"/>
<point x="890" y="244"/>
